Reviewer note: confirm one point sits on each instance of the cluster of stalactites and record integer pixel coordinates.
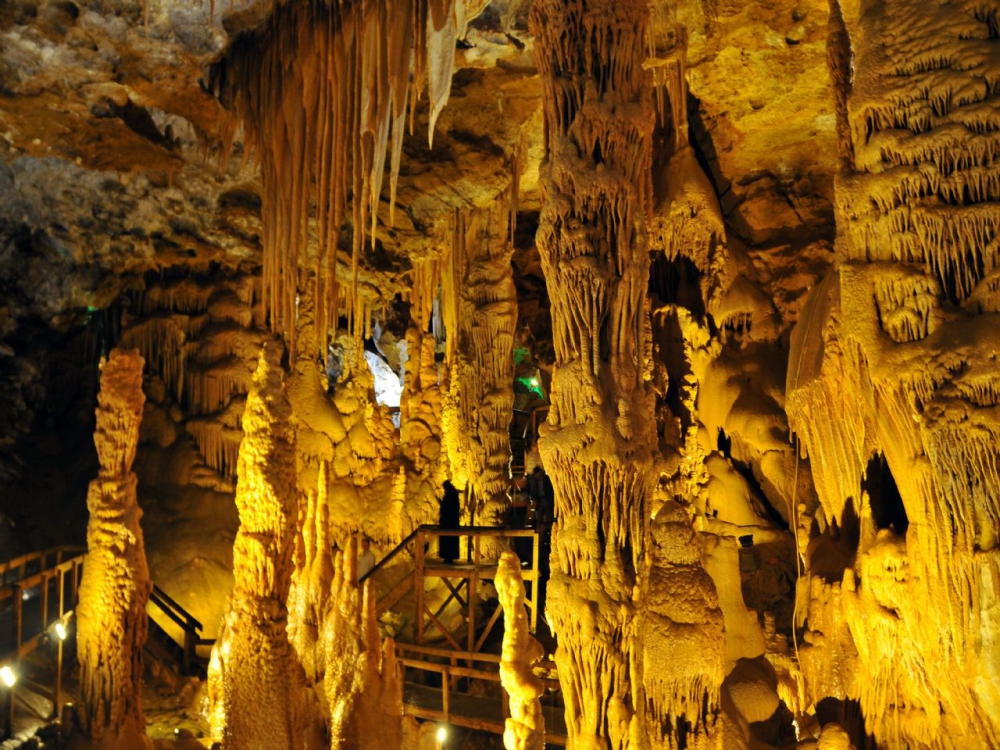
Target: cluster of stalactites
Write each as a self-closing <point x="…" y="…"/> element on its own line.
<point x="319" y="90"/>
<point x="924" y="117"/>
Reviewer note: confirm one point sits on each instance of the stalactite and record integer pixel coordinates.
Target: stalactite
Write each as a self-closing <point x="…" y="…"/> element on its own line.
<point x="255" y="680"/>
<point x="321" y="91"/>
<point x="525" y="729"/>
<point x="596" y="446"/>
<point x="115" y="588"/>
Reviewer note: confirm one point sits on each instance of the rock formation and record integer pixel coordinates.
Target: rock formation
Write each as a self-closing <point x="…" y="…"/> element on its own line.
<point x="255" y="677"/>
<point x="748" y="249"/>
<point x="525" y="729"/>
<point x="111" y="614"/>
<point x="482" y="368"/>
<point x="597" y="445"/>
<point x="892" y="383"/>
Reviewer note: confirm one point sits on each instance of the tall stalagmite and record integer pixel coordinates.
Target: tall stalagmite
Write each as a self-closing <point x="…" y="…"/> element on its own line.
<point x="116" y="586"/>
<point x="525" y="729"/>
<point x="597" y="446"/>
<point x="255" y="678"/>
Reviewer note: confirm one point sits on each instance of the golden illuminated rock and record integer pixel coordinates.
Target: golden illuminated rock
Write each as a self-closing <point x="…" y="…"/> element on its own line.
<point x="892" y="385"/>
<point x="255" y="679"/>
<point x="111" y="615"/>
<point x="525" y="729"/>
<point x="598" y="442"/>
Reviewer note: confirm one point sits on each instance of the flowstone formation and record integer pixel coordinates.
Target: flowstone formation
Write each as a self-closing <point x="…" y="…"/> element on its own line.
<point x="597" y="444"/>
<point x="111" y="614"/>
<point x="255" y="680"/>
<point x="893" y="385"/>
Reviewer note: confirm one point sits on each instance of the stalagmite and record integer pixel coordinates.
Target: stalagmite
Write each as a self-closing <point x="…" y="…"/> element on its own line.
<point x="362" y="683"/>
<point x="255" y="678"/>
<point x="681" y="608"/>
<point x="598" y="442"/>
<point x="116" y="586"/>
<point x="525" y="729"/>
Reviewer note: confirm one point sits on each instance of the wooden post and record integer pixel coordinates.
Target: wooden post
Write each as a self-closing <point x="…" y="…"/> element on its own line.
<point x="188" y="650"/>
<point x="419" y="585"/>
<point x="8" y="712"/>
<point x="473" y="591"/>
<point x="57" y="698"/>
<point x="18" y="615"/>
<point x="535" y="544"/>
<point x="62" y="593"/>
<point x="445" y="702"/>
<point x="45" y="601"/>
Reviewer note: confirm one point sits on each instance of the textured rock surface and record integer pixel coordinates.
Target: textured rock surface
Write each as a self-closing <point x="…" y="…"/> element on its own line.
<point x="704" y="176"/>
<point x="111" y="614"/>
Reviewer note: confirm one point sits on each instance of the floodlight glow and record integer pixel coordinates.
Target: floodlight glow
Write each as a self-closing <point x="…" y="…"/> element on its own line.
<point x="442" y="735"/>
<point x="61" y="631"/>
<point x="8" y="677"/>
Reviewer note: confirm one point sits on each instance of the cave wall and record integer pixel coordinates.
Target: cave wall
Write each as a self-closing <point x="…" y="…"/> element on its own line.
<point x="761" y="294"/>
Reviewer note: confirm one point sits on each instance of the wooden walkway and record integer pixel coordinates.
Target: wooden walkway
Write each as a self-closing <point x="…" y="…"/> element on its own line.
<point x="450" y="677"/>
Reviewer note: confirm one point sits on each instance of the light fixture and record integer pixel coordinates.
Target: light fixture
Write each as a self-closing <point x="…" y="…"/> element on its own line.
<point x="7" y="676"/>
<point x="61" y="631"/>
<point x="442" y="735"/>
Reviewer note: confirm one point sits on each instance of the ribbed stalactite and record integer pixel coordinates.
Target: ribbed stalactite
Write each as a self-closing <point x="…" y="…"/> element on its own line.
<point x="115" y="588"/>
<point x="323" y="90"/>
<point x="597" y="444"/>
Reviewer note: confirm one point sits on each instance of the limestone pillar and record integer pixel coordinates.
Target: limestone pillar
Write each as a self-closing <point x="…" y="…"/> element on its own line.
<point x="111" y="615"/>
<point x="597" y="445"/>
<point x="255" y="677"/>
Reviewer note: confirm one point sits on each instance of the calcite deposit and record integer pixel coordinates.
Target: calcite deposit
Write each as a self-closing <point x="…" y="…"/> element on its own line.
<point x="115" y="587"/>
<point x="726" y="272"/>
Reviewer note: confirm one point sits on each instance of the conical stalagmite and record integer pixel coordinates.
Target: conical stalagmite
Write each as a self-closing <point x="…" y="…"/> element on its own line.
<point x="111" y="614"/>
<point x="255" y="678"/>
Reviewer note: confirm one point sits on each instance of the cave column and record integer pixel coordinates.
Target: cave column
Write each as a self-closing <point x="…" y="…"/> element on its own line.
<point x="484" y="367"/>
<point x="111" y="614"/>
<point x="598" y="442"/>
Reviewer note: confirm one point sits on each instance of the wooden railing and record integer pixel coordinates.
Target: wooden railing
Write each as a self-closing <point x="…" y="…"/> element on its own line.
<point x="20" y="577"/>
<point x="190" y="627"/>
<point x="469" y="575"/>
<point x="447" y="702"/>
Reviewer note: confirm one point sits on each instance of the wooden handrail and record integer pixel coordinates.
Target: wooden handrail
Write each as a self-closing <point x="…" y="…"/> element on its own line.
<point x="23" y="560"/>
<point x="173" y="610"/>
<point x="385" y="560"/>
